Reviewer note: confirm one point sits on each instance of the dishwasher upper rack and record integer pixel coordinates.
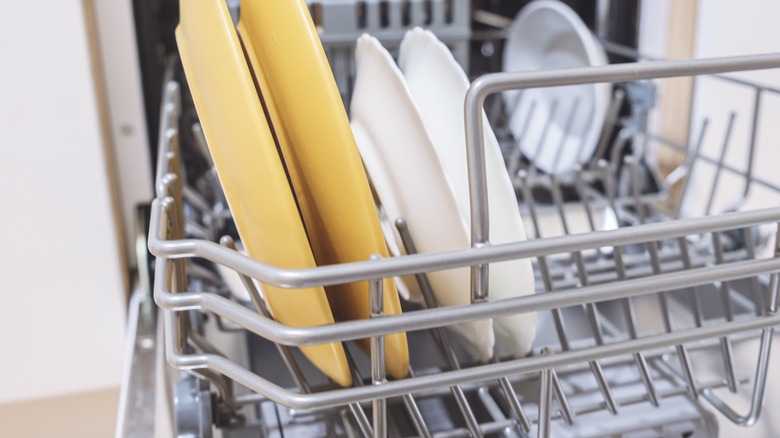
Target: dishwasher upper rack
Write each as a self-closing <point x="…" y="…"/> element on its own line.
<point x="167" y="243"/>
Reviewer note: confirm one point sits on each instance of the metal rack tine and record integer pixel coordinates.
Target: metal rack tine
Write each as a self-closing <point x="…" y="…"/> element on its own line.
<point x="592" y="309"/>
<point x="555" y="191"/>
<point x="560" y="326"/>
<point x="177" y="276"/>
<point x="655" y="264"/>
<point x="606" y="392"/>
<point x="725" y="287"/>
<point x="545" y="400"/>
<point x="632" y="163"/>
<point x="514" y="402"/>
<point x="690" y="161"/>
<point x="563" y="403"/>
<point x="456" y="390"/>
<point x="286" y="353"/>
<point x="682" y="351"/>
<point x="721" y="160"/>
<point x="647" y="379"/>
<point x="579" y="185"/>
<point x="756" y="400"/>
<point x="726" y="348"/>
<point x="694" y="295"/>
<point x="610" y="123"/>
<point x="378" y="372"/>
<point x="755" y="286"/>
<point x="687" y="372"/>
<point x="415" y="414"/>
<point x="639" y="358"/>
<point x="357" y="411"/>
<point x="596" y="369"/>
<point x="616" y="154"/>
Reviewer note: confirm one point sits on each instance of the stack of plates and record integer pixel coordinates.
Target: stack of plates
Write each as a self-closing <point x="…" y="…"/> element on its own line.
<point x="559" y="127"/>
<point x="337" y="222"/>
<point x="294" y="170"/>
<point x="409" y="126"/>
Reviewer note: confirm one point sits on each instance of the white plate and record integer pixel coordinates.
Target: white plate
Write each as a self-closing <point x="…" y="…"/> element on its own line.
<point x="409" y="178"/>
<point x="438" y="87"/>
<point x="548" y="35"/>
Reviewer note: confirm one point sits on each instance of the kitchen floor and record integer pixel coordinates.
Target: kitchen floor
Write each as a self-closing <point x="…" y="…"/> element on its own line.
<point x="84" y="415"/>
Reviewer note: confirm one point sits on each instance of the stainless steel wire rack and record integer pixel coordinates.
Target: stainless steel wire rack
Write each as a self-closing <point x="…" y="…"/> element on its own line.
<point x="638" y="320"/>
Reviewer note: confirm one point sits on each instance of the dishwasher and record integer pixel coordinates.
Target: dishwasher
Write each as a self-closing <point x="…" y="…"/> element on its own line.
<point x="651" y="322"/>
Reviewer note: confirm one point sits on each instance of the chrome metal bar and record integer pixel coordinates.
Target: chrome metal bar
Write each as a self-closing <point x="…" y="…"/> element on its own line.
<point x="411" y="321"/>
<point x="378" y="376"/>
<point x="695" y="296"/>
<point x="687" y="372"/>
<point x="514" y="403"/>
<point x="774" y="286"/>
<point x="725" y="289"/>
<point x="411" y="264"/>
<point x="690" y="162"/>
<point x="563" y="403"/>
<point x="441" y="334"/>
<point x="750" y="249"/>
<point x="647" y="378"/>
<point x="609" y="124"/>
<point x="719" y="168"/>
<point x="545" y="400"/>
<point x="606" y="392"/>
<point x="555" y="191"/>
<point x="450" y="378"/>
<point x="595" y="322"/>
<point x="756" y="401"/>
<point x="668" y="325"/>
<point x="495" y="412"/>
<point x="284" y="351"/>
<point x="592" y="310"/>
<point x="415" y="414"/>
<point x="579" y="184"/>
<point x="488" y="84"/>
<point x="752" y="144"/>
<point x="560" y="327"/>
<point x="632" y="53"/>
<point x="628" y="308"/>
<point x="726" y="349"/>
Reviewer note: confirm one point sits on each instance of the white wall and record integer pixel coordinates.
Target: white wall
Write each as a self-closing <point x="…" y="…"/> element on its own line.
<point x="731" y="28"/>
<point x="61" y="299"/>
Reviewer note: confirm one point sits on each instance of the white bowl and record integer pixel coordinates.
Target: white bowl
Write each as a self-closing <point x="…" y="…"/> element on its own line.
<point x="556" y="127"/>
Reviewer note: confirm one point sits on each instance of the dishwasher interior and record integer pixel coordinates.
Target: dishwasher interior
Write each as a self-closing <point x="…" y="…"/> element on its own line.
<point x="642" y="306"/>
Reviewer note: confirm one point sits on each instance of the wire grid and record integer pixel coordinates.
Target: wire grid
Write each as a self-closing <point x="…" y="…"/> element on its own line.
<point x="681" y="258"/>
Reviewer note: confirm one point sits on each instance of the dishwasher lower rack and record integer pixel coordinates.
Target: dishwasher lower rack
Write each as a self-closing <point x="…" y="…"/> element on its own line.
<point x="640" y="324"/>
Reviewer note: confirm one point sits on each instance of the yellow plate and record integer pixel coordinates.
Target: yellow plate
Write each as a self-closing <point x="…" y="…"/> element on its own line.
<point x="319" y="152"/>
<point x="250" y="169"/>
